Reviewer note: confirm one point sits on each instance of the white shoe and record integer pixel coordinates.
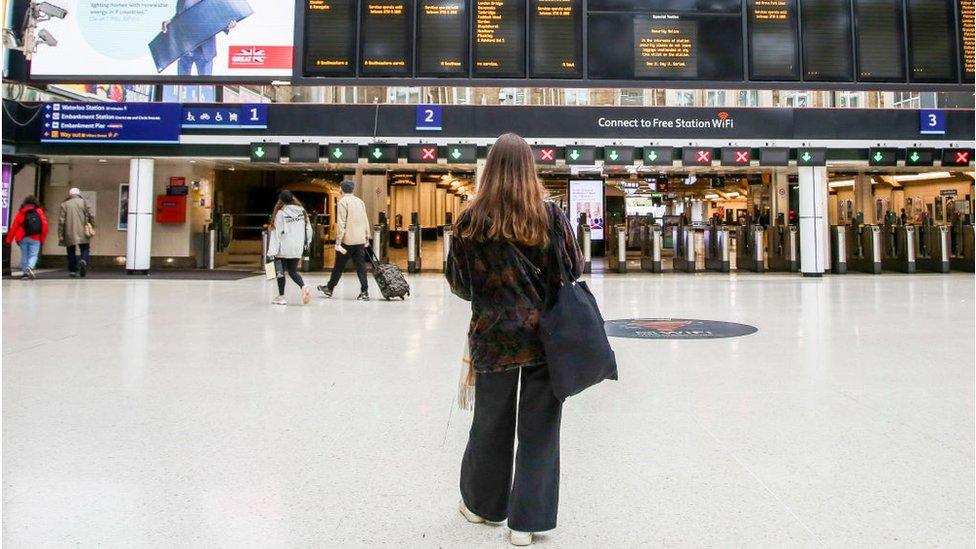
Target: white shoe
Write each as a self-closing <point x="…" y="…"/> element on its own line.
<point x="280" y="300"/>
<point x="469" y="515"/>
<point x="306" y="295"/>
<point x="520" y="539"/>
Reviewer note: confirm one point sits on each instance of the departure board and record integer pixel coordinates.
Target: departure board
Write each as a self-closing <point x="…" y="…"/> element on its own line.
<point x="773" y="45"/>
<point x="556" y="38"/>
<point x="442" y="38"/>
<point x="826" y="40"/>
<point x="498" y="38"/>
<point x="880" y="40"/>
<point x="386" y="38"/>
<point x="967" y="39"/>
<point x="931" y="33"/>
<point x="330" y="37"/>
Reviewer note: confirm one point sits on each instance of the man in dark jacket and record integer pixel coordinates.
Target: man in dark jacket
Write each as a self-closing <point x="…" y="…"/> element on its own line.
<point x="75" y="229"/>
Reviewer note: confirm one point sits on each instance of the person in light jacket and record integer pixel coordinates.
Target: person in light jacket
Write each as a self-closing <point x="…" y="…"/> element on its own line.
<point x="290" y="233"/>
<point x="351" y="240"/>
<point x="75" y="227"/>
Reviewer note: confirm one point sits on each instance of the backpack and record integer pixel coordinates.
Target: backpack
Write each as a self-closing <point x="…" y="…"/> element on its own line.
<point x="32" y="223"/>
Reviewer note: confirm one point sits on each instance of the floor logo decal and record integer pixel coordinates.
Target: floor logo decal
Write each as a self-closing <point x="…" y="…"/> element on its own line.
<point x="676" y="328"/>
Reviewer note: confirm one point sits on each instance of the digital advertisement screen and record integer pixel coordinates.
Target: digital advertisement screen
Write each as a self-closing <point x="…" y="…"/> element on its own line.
<point x="442" y="38"/>
<point x="168" y="39"/>
<point x="556" y="38"/>
<point x="773" y="51"/>
<point x="880" y="40"/>
<point x="498" y="38"/>
<point x="931" y="32"/>
<point x="586" y="196"/>
<point x="330" y="37"/>
<point x="386" y="38"/>
<point x="826" y="38"/>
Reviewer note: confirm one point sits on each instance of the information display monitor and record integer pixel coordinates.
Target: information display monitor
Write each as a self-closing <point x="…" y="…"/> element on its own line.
<point x="880" y="40"/>
<point x="498" y="38"/>
<point x="330" y="37"/>
<point x="556" y="38"/>
<point x="442" y="37"/>
<point x="773" y="45"/>
<point x="386" y="38"/>
<point x="826" y="39"/>
<point x="931" y="33"/>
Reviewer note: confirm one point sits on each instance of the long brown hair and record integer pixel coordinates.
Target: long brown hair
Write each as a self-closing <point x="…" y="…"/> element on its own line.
<point x="509" y="203"/>
<point x="285" y="198"/>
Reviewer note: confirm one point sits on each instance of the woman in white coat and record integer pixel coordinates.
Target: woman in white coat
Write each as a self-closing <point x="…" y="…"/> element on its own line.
<point x="291" y="233"/>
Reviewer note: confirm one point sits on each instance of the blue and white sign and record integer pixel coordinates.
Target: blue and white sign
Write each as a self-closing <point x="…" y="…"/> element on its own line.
<point x="226" y="117"/>
<point x="110" y="123"/>
<point x="429" y="117"/>
<point x="931" y="121"/>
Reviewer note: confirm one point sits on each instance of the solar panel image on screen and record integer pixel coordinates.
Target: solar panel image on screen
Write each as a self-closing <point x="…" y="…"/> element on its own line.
<point x="967" y="39"/>
<point x="556" y="38"/>
<point x="826" y="37"/>
<point x="773" y="45"/>
<point x="330" y="37"/>
<point x="442" y="38"/>
<point x="386" y="38"/>
<point x="931" y="40"/>
<point x="498" y="38"/>
<point x="880" y="40"/>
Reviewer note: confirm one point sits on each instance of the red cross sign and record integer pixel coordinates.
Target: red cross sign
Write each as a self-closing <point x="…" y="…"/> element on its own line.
<point x="547" y="154"/>
<point x="742" y="157"/>
<point x="428" y="153"/>
<point x="962" y="157"/>
<point x="704" y="156"/>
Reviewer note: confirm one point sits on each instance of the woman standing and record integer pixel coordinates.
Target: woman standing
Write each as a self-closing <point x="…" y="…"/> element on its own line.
<point x="29" y="231"/>
<point x="291" y="233"/>
<point x="503" y="261"/>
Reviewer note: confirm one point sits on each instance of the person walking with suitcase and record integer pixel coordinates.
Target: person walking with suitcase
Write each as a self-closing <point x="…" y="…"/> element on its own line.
<point x="351" y="240"/>
<point x="290" y="233"/>
<point x="29" y="231"/>
<point x="504" y="261"/>
<point x="76" y="227"/>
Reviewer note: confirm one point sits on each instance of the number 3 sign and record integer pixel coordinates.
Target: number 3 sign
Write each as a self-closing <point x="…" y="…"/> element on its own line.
<point x="429" y="117"/>
<point x="931" y="121"/>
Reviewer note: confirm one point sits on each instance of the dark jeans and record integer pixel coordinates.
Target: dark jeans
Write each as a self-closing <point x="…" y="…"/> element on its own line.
<point x="73" y="258"/>
<point x="358" y="254"/>
<point x="531" y="501"/>
<point x="290" y="266"/>
<point x="196" y="57"/>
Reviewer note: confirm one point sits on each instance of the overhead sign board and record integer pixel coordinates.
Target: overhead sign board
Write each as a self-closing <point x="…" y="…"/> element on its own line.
<point x="882" y="157"/>
<point x="774" y="156"/>
<point x="110" y="122"/>
<point x="957" y="157"/>
<point x="382" y="153"/>
<point x="811" y="157"/>
<point x="696" y="156"/>
<point x="342" y="152"/>
<point x="228" y="117"/>
<point x="266" y="152"/>
<point x="919" y="157"/>
<point x="461" y="153"/>
<point x="618" y="156"/>
<point x="736" y="156"/>
<point x="932" y="121"/>
<point x="303" y="152"/>
<point x="658" y="156"/>
<point x="544" y="154"/>
<point x="429" y="117"/>
<point x="421" y="153"/>
<point x="580" y="154"/>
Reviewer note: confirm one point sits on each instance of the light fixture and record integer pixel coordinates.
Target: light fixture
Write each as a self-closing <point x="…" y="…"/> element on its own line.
<point x="193" y="162"/>
<point x="102" y="160"/>
<point x="711" y="196"/>
<point x="923" y="176"/>
<point x="841" y="183"/>
<point x="732" y="194"/>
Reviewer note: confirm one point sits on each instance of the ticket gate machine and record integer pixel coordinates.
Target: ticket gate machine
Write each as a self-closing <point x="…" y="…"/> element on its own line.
<point x="838" y="249"/>
<point x="898" y="249"/>
<point x="864" y="248"/>
<point x="683" y="238"/>
<point x="717" y="248"/>
<point x="448" y="232"/>
<point x="584" y="240"/>
<point x="961" y="237"/>
<point x="749" y="249"/>
<point x="932" y="245"/>
<point x="784" y="248"/>
<point x="617" y="254"/>
<point x="381" y="239"/>
<point x="651" y="243"/>
<point x="414" y="244"/>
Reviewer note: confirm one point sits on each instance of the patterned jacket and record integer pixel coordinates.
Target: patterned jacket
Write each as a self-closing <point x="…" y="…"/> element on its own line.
<point x="507" y="297"/>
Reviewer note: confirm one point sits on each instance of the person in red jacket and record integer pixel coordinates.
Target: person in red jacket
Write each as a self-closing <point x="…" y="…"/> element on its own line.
<point x="28" y="230"/>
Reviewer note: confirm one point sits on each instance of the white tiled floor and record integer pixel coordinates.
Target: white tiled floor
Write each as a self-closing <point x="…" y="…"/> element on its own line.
<point x="194" y="414"/>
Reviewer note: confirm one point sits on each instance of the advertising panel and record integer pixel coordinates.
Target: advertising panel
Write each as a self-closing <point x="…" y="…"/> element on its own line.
<point x="586" y="196"/>
<point x="168" y="39"/>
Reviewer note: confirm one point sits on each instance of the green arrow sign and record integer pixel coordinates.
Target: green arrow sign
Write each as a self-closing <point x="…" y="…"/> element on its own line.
<point x="914" y="157"/>
<point x="337" y="152"/>
<point x="574" y="154"/>
<point x="613" y="154"/>
<point x="806" y="156"/>
<point x="259" y="152"/>
<point x="652" y="156"/>
<point x="878" y="156"/>
<point x="455" y="153"/>
<point x="377" y="153"/>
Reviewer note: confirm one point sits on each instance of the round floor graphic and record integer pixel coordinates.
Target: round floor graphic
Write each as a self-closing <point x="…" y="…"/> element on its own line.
<point x="676" y="328"/>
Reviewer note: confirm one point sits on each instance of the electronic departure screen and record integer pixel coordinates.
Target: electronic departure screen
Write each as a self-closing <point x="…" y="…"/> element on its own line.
<point x="330" y="37"/>
<point x="967" y="39"/>
<point x="880" y="40"/>
<point x="442" y="38"/>
<point x="556" y="38"/>
<point x="386" y="38"/>
<point x="772" y="40"/>
<point x="826" y="39"/>
<point x="931" y="29"/>
<point x="498" y="38"/>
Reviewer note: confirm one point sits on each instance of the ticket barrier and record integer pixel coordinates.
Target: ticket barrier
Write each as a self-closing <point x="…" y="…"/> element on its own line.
<point x="962" y="248"/>
<point x="651" y="244"/>
<point x="683" y="237"/>
<point x="448" y="231"/>
<point x="584" y="239"/>
<point x="932" y="245"/>
<point x="864" y="248"/>
<point x="838" y="249"/>
<point x="898" y="251"/>
<point x="717" y="252"/>
<point x="314" y="257"/>
<point x="381" y="239"/>
<point x="617" y="255"/>
<point x="414" y="242"/>
<point x="784" y="248"/>
<point x="749" y="249"/>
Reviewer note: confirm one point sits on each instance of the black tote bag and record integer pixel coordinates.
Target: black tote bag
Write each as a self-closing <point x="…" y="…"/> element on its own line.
<point x="573" y="336"/>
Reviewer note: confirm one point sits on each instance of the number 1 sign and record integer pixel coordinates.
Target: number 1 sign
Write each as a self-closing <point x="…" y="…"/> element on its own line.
<point x="429" y="117"/>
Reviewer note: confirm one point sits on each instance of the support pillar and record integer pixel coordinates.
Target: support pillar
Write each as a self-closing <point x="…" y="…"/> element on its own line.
<point x="864" y="199"/>
<point x="138" y="246"/>
<point x="814" y="251"/>
<point x="780" y="201"/>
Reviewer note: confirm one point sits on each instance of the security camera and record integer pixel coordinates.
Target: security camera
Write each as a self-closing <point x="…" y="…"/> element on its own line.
<point x="44" y="37"/>
<point x="10" y="40"/>
<point x="49" y="10"/>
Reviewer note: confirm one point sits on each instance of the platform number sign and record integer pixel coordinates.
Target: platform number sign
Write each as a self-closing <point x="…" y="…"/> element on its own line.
<point x="429" y="117"/>
<point x="931" y="121"/>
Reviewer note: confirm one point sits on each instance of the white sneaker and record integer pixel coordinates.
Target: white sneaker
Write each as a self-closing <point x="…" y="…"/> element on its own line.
<point x="306" y="295"/>
<point x="469" y="515"/>
<point x="280" y="300"/>
<point x="521" y="539"/>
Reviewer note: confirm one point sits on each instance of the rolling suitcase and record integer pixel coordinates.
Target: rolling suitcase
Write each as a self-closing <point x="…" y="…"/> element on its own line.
<point x="388" y="277"/>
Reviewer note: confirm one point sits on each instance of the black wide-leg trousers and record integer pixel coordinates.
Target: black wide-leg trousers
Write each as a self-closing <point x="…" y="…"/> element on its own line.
<point x="530" y="499"/>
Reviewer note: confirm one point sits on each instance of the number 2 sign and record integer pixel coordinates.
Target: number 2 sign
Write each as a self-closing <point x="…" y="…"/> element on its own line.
<point x="429" y="117"/>
<point x="931" y="121"/>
